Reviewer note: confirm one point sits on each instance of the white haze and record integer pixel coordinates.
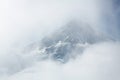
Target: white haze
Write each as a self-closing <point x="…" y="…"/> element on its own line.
<point x="24" y="22"/>
<point x="98" y="62"/>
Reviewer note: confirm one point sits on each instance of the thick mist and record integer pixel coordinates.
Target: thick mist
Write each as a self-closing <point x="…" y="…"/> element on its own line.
<point x="25" y="22"/>
<point x="100" y="61"/>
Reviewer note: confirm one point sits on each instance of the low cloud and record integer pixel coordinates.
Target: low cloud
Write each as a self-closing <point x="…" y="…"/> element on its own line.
<point x="99" y="61"/>
<point x="24" y="22"/>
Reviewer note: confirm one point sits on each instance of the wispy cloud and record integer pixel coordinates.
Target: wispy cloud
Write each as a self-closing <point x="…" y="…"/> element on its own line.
<point x="24" y="22"/>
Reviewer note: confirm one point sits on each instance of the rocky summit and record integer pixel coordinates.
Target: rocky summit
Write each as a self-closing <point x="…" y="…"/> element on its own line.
<point x="59" y="46"/>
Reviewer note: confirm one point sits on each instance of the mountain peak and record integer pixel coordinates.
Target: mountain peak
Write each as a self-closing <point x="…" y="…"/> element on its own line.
<point x="59" y="45"/>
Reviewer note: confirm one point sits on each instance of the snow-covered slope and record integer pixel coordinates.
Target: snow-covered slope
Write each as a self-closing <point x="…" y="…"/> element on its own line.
<point x="59" y="46"/>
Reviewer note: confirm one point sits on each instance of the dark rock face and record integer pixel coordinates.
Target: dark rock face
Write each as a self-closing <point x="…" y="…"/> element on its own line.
<point x="60" y="45"/>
